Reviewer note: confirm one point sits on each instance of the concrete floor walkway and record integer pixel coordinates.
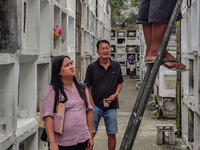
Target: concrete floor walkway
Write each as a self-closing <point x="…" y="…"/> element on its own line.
<point x="147" y="134"/>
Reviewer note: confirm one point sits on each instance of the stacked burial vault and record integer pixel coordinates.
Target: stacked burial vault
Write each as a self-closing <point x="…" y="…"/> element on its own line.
<point x="26" y="54"/>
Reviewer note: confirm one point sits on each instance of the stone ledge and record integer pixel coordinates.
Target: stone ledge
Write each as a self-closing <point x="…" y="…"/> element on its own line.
<point x="25" y="128"/>
<point x="6" y="140"/>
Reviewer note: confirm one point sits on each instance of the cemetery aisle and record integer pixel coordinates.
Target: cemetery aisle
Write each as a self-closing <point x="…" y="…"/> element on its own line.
<point x="146" y="138"/>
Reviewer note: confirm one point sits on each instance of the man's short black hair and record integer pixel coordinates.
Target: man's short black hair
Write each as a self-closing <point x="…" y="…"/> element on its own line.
<point x="102" y="41"/>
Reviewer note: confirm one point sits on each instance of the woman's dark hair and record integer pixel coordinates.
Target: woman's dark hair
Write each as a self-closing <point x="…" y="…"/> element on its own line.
<point x="58" y="84"/>
<point x="102" y="41"/>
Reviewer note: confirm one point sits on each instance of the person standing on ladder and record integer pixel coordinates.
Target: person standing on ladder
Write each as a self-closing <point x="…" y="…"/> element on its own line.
<point x="154" y="16"/>
<point x="131" y="64"/>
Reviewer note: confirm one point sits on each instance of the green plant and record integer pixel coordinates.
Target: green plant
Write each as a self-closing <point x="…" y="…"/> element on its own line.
<point x="175" y="25"/>
<point x="155" y="97"/>
<point x="135" y="3"/>
<point x="159" y="115"/>
<point x="119" y="16"/>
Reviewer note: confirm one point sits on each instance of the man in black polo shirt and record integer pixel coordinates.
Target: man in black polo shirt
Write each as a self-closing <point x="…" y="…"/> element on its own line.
<point x="104" y="82"/>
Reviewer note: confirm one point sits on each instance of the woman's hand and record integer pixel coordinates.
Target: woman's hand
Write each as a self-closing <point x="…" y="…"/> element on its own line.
<point x="90" y="144"/>
<point x="53" y="146"/>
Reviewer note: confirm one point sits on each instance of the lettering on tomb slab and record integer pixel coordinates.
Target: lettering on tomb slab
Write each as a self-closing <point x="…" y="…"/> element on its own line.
<point x="170" y="84"/>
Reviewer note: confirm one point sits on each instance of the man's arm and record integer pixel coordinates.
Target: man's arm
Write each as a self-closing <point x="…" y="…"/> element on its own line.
<point x="91" y="98"/>
<point x="131" y="61"/>
<point x="114" y="96"/>
<point x="119" y="87"/>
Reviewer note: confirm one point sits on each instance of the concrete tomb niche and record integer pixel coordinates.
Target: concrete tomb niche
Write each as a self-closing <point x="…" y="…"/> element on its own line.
<point x="23" y="113"/>
<point x="169" y="108"/>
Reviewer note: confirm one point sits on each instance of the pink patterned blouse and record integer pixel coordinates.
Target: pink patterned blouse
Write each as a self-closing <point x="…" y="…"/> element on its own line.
<point x="75" y="129"/>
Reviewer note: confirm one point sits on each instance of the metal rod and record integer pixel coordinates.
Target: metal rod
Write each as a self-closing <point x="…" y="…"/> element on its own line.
<point x="136" y="105"/>
<point x="152" y="77"/>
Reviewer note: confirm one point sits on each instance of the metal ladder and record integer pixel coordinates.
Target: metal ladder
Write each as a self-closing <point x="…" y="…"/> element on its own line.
<point x="147" y="85"/>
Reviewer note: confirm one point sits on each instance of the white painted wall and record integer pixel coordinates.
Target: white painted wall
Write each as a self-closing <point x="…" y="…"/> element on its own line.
<point x="190" y="30"/>
<point x="123" y="49"/>
<point x="94" y="27"/>
<point x="25" y="75"/>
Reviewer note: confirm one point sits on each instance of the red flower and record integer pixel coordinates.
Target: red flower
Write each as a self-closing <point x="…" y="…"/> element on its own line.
<point x="57" y="32"/>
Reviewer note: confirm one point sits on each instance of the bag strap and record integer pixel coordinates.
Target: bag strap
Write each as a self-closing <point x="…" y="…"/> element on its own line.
<point x="82" y="84"/>
<point x="53" y="85"/>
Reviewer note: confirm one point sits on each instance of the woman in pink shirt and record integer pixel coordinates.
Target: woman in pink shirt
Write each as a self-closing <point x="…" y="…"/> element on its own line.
<point x="78" y="120"/>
